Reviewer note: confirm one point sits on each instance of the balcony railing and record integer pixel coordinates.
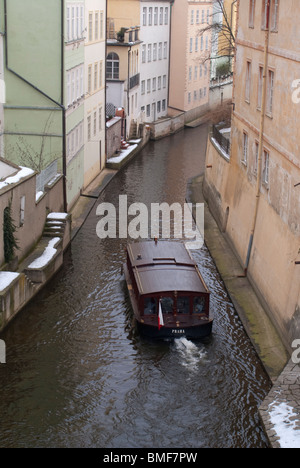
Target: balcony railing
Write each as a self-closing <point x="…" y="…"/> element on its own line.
<point x="134" y="81"/>
<point x="220" y="138"/>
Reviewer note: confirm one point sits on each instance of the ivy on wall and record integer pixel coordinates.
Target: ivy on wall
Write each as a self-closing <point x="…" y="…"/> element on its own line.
<point x="9" y="229"/>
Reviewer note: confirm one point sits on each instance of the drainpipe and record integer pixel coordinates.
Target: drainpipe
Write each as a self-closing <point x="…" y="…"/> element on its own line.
<point x="128" y="91"/>
<point x="261" y="137"/>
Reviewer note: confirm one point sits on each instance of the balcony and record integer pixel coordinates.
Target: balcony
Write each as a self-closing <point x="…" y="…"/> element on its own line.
<point x="134" y="81"/>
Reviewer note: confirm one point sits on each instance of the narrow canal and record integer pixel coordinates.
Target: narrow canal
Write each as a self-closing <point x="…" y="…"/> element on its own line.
<point x="78" y="374"/>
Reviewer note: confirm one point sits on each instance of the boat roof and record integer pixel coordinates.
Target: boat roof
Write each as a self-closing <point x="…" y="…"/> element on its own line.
<point x="164" y="266"/>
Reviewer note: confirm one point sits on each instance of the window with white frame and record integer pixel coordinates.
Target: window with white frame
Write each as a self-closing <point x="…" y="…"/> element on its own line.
<point x="144" y="53"/>
<point x="154" y="52"/>
<point x="148" y="86"/>
<point x="149" y="52"/>
<point x="96" y="25"/>
<point x="274" y="14"/>
<point x="112" y="66"/>
<point x="245" y="149"/>
<point x="192" y="16"/>
<point x="265" y="13"/>
<point x="270" y="95"/>
<point x="248" y="81"/>
<point x="198" y="17"/>
<point x="160" y="51"/>
<point x="166" y="16"/>
<point x="74" y="141"/>
<point x="154" y="84"/>
<point x="159" y="83"/>
<point x="155" y="16"/>
<point x="266" y="167"/>
<point x="191" y="45"/>
<point x="144" y="16"/>
<point x="190" y="73"/>
<point x="165" y="50"/>
<point x="161" y="16"/>
<point x="75" y="88"/>
<point x="260" y="87"/>
<point x="164" y="81"/>
<point x="150" y="16"/>
<point x="90" y="36"/>
<point x="143" y="87"/>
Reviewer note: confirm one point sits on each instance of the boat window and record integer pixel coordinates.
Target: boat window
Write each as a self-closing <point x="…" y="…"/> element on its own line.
<point x="150" y="306"/>
<point x="167" y="304"/>
<point x="199" y="305"/>
<point x="183" y="305"/>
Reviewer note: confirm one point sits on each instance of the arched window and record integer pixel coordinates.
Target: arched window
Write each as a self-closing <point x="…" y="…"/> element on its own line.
<point x="113" y="66"/>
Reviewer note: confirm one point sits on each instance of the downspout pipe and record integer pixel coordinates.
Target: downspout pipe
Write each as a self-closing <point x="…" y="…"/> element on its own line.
<point x="261" y="137"/>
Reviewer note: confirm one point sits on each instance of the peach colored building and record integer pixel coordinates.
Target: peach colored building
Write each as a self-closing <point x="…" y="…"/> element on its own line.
<point x="190" y="57"/>
<point x="253" y="189"/>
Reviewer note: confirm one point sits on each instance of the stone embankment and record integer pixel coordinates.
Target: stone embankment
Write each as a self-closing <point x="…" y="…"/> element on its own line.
<point x="280" y="411"/>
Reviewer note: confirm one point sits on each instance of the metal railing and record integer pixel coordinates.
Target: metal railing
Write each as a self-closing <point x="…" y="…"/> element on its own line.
<point x="223" y="142"/>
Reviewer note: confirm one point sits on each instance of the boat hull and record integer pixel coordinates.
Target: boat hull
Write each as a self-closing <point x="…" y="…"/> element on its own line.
<point x="196" y="332"/>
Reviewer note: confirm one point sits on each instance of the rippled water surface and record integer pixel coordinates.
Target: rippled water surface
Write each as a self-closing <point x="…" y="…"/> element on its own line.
<point x="79" y="375"/>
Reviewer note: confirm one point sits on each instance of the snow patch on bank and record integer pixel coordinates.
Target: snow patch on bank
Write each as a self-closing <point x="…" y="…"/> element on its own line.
<point x="284" y="419"/>
<point x="47" y="255"/>
<point x="6" y="278"/>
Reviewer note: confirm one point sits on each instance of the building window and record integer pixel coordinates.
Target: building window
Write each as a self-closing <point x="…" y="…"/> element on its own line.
<point x="144" y="16"/>
<point x="113" y="66"/>
<point x="198" y="17"/>
<point x="90" y="26"/>
<point x="144" y="53"/>
<point x="196" y="72"/>
<point x="148" y="86"/>
<point x="148" y="110"/>
<point x="248" y="82"/>
<point x="155" y="16"/>
<point x="192" y="17"/>
<point x="96" y="25"/>
<point x="158" y="107"/>
<point x="166" y="16"/>
<point x="163" y="105"/>
<point x="191" y="44"/>
<point x="270" y="94"/>
<point x="89" y="80"/>
<point x="196" y="44"/>
<point x="266" y="168"/>
<point x="203" y="16"/>
<point x="189" y="98"/>
<point x="164" y="81"/>
<point x="154" y="52"/>
<point x="165" y="50"/>
<point x="160" y="51"/>
<point x="101" y="74"/>
<point x="22" y="210"/>
<point x="265" y="14"/>
<point x="89" y="127"/>
<point x="95" y="76"/>
<point x="256" y="157"/>
<point x="260" y="87"/>
<point x="161" y="16"/>
<point x="143" y="87"/>
<point x="251" y="13"/>
<point x="245" y="149"/>
<point x="149" y="52"/>
<point x="190" y="73"/>
<point x="150" y="15"/>
<point x="274" y="15"/>
<point x="154" y="84"/>
<point x="159" y="83"/>
<point x="100" y="118"/>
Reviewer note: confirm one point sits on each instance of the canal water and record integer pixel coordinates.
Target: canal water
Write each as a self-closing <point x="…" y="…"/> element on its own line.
<point x="79" y="375"/>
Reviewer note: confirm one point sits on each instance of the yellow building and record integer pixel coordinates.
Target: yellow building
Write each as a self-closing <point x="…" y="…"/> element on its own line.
<point x="122" y="61"/>
<point x="254" y="190"/>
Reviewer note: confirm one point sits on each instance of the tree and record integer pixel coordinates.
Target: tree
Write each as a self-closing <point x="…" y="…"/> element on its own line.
<point x="222" y="30"/>
<point x="9" y="229"/>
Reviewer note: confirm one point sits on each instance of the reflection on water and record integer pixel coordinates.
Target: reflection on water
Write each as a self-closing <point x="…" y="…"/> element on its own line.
<point x="79" y="375"/>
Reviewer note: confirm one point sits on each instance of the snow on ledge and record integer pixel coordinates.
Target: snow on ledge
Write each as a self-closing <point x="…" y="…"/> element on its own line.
<point x="57" y="216"/>
<point x="47" y="255"/>
<point x="24" y="172"/>
<point x="6" y="278"/>
<point x="284" y="419"/>
<point x="123" y="155"/>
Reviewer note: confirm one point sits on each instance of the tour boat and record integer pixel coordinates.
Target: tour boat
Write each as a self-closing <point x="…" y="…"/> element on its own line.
<point x="167" y="292"/>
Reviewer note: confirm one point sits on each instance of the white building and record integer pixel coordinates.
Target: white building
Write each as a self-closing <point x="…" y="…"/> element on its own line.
<point x="94" y="104"/>
<point x="154" y="58"/>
